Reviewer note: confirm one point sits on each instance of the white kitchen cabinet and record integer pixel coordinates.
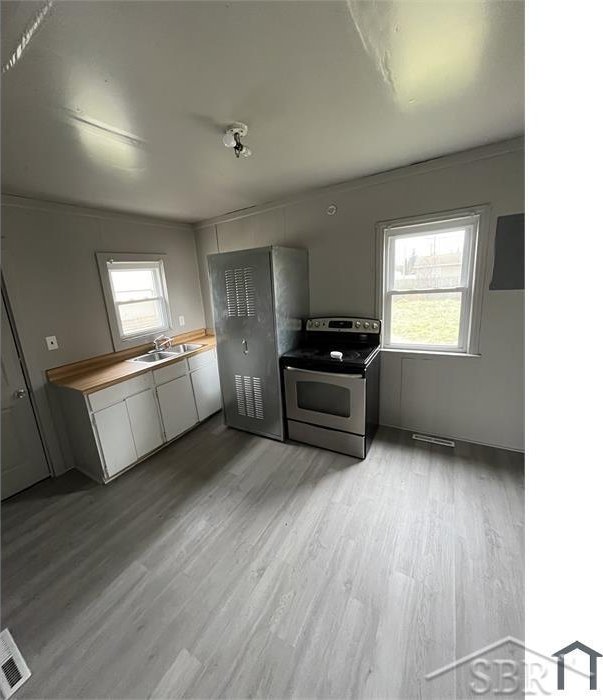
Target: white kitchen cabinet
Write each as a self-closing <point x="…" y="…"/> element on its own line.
<point x="145" y="422"/>
<point x="206" y="387"/>
<point x="113" y="428"/>
<point x="177" y="404"/>
<point x="115" y="437"/>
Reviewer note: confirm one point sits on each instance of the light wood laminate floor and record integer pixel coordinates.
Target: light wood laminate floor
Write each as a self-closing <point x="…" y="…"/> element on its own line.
<point x="229" y="565"/>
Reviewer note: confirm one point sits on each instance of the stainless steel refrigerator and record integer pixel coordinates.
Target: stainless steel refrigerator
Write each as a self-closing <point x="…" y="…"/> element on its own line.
<point x="260" y="297"/>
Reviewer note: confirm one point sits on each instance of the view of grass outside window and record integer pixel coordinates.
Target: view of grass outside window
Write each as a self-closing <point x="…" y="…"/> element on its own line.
<point x="427" y="287"/>
<point x="426" y="320"/>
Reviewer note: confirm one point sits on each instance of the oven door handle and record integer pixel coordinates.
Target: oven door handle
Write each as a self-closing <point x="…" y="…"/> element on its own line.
<point x="325" y="374"/>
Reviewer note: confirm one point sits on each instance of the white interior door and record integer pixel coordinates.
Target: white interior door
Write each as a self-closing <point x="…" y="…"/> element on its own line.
<point x="23" y="459"/>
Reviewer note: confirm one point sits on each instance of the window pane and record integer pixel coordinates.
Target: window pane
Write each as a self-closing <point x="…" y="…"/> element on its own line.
<point x="426" y="319"/>
<point x="431" y="261"/>
<point x="131" y="285"/>
<point x="141" y="317"/>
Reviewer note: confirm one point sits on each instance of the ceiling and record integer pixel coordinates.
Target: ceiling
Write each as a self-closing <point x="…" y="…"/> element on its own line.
<point x="122" y="105"/>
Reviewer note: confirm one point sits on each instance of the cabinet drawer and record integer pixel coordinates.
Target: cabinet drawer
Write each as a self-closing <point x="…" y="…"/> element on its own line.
<point x="166" y="374"/>
<point x="118" y="392"/>
<point x="203" y="359"/>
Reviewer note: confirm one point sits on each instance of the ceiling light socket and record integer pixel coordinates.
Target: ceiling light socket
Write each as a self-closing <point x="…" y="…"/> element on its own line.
<point x="237" y="128"/>
<point x="232" y="139"/>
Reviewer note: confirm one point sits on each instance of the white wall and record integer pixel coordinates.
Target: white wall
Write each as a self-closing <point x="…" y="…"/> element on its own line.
<point x="53" y="285"/>
<point x="476" y="399"/>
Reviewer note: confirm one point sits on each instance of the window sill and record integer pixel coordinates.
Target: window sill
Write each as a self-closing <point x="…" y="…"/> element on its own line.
<point x="429" y="353"/>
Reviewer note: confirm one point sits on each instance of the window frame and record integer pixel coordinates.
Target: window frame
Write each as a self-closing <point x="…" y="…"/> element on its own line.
<point x="120" y="340"/>
<point x="472" y="276"/>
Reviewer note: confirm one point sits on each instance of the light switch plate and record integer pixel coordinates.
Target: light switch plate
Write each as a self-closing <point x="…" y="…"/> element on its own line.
<point x="181" y="320"/>
<point x="51" y="342"/>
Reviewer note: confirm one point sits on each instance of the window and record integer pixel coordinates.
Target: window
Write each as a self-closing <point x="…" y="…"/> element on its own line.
<point x="136" y="296"/>
<point x="429" y="272"/>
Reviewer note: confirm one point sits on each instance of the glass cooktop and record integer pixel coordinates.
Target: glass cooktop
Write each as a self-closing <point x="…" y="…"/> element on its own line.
<point x="359" y="355"/>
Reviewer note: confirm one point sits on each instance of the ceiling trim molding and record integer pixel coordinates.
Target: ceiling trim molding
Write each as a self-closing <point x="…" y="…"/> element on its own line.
<point x="24" y="202"/>
<point x="494" y="150"/>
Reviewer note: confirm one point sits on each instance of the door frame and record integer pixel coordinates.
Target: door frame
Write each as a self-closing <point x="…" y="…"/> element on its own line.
<point x="30" y="396"/>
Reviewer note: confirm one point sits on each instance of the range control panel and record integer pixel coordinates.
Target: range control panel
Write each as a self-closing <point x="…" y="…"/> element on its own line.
<point x="344" y="325"/>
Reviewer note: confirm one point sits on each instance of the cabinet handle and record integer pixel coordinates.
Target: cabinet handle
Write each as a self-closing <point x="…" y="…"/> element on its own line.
<point x="245" y="348"/>
<point x="20" y="393"/>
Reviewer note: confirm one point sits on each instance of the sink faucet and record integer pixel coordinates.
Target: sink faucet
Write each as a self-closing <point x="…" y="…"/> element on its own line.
<point x="162" y="342"/>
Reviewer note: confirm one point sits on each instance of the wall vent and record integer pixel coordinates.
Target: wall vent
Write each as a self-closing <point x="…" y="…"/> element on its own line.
<point x="250" y="401"/>
<point x="240" y="292"/>
<point x="13" y="669"/>
<point x="433" y="440"/>
<point x="258" y="401"/>
<point x="240" y="395"/>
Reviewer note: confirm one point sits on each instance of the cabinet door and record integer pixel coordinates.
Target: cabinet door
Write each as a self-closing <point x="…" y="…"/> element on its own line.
<point x="115" y="437"/>
<point x="177" y="405"/>
<point x="206" y="385"/>
<point x="145" y="423"/>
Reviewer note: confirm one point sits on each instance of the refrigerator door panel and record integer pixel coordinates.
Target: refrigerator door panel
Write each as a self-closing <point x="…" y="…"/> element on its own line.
<point x="244" y="322"/>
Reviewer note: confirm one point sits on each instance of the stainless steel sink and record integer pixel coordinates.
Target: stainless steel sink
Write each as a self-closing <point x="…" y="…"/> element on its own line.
<point x="161" y="355"/>
<point x="186" y="347"/>
<point x="152" y="357"/>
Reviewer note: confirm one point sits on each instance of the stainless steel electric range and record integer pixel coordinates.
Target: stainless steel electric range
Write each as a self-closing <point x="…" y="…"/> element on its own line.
<point x="331" y="384"/>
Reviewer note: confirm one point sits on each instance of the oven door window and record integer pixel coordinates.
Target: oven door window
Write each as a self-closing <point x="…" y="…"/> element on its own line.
<point x="323" y="397"/>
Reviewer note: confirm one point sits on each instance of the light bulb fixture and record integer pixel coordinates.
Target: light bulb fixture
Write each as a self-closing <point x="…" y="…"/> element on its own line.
<point x="232" y="139"/>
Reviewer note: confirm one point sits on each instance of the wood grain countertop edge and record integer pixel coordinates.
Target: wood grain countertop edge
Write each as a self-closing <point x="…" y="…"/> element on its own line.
<point x="93" y="374"/>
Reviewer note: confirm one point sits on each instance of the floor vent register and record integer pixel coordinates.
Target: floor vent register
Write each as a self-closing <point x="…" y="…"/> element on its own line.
<point x="13" y="669"/>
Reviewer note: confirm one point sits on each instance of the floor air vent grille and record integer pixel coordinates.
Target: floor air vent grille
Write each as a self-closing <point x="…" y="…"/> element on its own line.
<point x="240" y="292"/>
<point x="13" y="669"/>
<point x="432" y="439"/>
<point x="250" y="401"/>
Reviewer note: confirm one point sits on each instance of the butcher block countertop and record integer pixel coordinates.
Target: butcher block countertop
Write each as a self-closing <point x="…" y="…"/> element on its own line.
<point x="99" y="372"/>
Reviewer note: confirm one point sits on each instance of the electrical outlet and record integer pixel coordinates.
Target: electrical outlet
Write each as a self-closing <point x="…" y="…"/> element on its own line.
<point x="181" y="320"/>
<point x="51" y="342"/>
